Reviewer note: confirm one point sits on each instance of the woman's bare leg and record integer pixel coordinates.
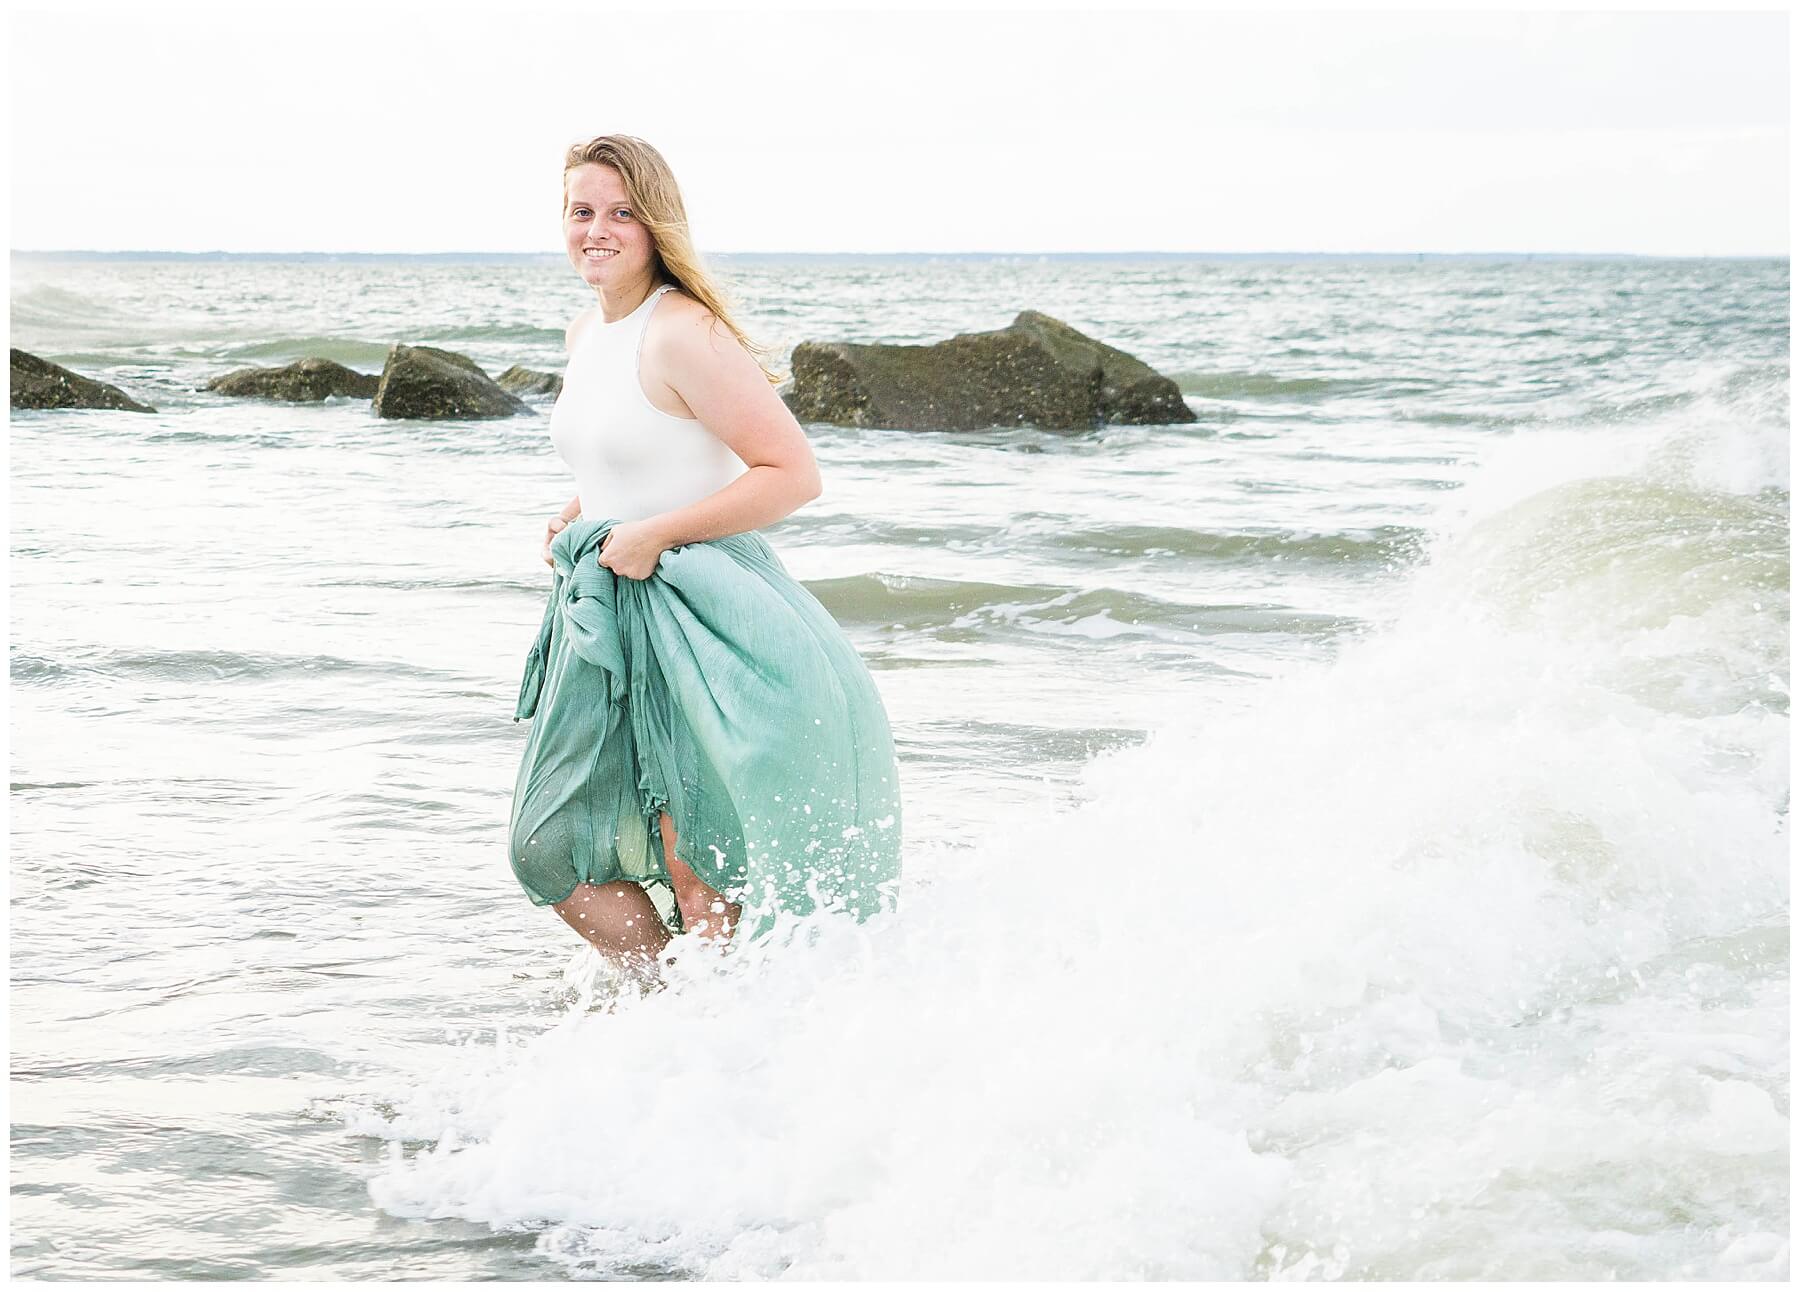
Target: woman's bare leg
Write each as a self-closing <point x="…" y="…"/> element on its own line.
<point x="621" y="923"/>
<point x="703" y="909"/>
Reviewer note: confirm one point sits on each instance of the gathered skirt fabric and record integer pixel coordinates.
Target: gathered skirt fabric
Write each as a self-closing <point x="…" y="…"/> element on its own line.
<point x="719" y="690"/>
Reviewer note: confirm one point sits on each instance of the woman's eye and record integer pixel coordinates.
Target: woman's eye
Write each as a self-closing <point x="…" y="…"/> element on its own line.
<point x="624" y="211"/>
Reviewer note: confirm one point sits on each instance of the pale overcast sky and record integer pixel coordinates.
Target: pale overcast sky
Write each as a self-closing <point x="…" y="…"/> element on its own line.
<point x="399" y="127"/>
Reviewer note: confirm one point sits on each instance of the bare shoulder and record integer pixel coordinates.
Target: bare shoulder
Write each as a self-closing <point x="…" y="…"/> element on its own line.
<point x="691" y="359"/>
<point x="685" y="323"/>
<point x="684" y="337"/>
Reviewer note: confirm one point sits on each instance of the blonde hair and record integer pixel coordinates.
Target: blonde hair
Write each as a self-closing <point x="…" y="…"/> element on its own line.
<point x="656" y="202"/>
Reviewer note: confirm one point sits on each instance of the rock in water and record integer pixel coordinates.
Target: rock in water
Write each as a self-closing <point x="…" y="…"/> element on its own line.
<point x="529" y="381"/>
<point x="38" y="383"/>
<point x="1038" y="371"/>
<point x="306" y="381"/>
<point x="422" y="381"/>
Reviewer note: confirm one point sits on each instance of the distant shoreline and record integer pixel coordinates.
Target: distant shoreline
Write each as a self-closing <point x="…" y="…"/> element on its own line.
<point x="523" y="258"/>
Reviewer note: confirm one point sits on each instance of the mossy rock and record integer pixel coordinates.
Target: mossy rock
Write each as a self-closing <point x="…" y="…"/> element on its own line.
<point x="421" y="381"/>
<point x="307" y="381"/>
<point x="529" y="381"/>
<point x="1037" y="371"/>
<point x="38" y="383"/>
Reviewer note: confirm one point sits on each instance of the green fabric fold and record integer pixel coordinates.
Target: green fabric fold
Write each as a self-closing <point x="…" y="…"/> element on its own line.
<point x="720" y="690"/>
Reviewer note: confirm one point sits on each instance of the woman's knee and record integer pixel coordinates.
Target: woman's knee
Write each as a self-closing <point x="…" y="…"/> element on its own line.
<point x="619" y="915"/>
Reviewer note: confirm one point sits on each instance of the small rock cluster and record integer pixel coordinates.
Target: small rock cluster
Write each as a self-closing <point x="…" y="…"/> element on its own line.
<point x="1037" y="371"/>
<point x="416" y="381"/>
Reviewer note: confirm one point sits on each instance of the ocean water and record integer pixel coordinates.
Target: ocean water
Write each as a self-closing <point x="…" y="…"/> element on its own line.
<point x="1347" y="835"/>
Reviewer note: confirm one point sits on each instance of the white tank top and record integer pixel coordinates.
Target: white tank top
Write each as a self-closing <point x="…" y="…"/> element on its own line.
<point x="630" y="458"/>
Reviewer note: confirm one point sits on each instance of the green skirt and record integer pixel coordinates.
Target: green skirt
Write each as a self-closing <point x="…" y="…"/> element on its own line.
<point x="720" y="691"/>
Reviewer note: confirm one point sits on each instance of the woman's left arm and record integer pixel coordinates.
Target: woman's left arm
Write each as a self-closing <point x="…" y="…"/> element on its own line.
<point x="725" y="388"/>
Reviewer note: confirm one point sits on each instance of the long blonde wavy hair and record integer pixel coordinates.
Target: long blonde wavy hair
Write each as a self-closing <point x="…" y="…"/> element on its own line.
<point x="656" y="201"/>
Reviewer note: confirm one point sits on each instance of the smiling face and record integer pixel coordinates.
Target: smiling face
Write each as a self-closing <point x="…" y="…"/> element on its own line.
<point x="606" y="244"/>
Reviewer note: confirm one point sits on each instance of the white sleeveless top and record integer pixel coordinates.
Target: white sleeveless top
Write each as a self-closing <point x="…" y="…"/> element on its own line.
<point x="630" y="458"/>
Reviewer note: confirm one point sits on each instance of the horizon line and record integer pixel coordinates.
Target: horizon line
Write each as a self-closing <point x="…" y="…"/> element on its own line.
<point x="558" y="257"/>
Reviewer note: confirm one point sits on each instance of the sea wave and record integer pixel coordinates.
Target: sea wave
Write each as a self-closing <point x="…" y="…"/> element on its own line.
<point x="1459" y="955"/>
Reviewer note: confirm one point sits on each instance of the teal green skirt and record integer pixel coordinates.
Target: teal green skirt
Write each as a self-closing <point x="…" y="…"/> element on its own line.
<point x="720" y="691"/>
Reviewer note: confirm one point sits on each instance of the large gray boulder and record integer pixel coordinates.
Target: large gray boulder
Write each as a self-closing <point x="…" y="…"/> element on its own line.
<point x="422" y="381"/>
<point x="307" y="381"/>
<point x="38" y="383"/>
<point x="1037" y="371"/>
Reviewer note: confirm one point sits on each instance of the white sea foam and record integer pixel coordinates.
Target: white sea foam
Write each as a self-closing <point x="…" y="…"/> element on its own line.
<point x="1462" y="956"/>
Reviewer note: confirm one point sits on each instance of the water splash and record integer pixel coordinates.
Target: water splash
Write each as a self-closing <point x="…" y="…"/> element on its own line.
<point x="1461" y="956"/>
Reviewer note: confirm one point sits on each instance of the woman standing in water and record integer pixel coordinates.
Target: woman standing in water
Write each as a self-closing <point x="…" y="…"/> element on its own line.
<point x="702" y="728"/>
